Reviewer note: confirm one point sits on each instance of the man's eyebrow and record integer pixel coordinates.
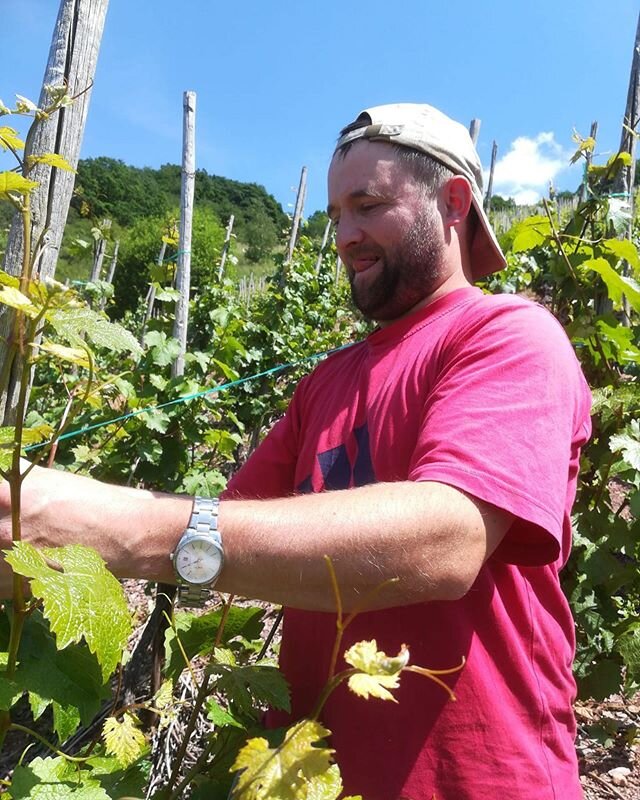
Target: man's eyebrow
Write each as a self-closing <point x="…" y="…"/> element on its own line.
<point x="352" y="196"/>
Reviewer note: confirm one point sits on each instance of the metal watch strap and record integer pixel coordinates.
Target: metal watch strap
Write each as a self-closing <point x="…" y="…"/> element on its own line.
<point x="204" y="519"/>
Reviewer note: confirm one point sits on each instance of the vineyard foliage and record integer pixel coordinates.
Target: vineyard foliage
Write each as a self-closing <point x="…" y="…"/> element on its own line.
<point x="105" y="395"/>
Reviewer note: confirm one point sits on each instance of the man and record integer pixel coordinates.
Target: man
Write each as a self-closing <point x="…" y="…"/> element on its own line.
<point x="442" y="451"/>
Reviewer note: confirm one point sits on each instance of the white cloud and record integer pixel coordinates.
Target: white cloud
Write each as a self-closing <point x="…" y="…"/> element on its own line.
<point x="525" y="171"/>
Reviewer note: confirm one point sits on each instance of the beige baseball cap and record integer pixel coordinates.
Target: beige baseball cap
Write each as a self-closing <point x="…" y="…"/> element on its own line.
<point x="424" y="128"/>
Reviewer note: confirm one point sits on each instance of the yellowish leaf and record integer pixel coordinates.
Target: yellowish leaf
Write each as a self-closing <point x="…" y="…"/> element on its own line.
<point x="9" y="139"/>
<point x="123" y="739"/>
<point x="74" y="355"/>
<point x="12" y="184"/>
<point x="366" y="657"/>
<point x="10" y="296"/>
<point x="52" y="159"/>
<point x="282" y="772"/>
<point x="373" y="685"/>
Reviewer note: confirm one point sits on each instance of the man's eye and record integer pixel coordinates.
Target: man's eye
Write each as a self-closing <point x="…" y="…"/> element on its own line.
<point x="368" y="207"/>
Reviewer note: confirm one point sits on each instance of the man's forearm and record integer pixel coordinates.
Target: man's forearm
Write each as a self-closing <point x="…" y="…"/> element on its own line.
<point x="431" y="537"/>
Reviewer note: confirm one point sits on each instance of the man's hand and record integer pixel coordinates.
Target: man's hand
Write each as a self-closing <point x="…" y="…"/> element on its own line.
<point x="133" y="530"/>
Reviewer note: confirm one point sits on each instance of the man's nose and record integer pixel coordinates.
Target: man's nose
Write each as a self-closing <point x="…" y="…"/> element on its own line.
<point x="348" y="233"/>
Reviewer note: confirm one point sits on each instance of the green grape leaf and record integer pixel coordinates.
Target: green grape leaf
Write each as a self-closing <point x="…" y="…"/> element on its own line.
<point x="81" y="599"/>
<point x="168" y="295"/>
<point x="616" y="284"/>
<point x="628" y="444"/>
<point x="163" y="349"/>
<point x="73" y="355"/>
<point x="623" y="249"/>
<point x="530" y="233"/>
<point x="628" y="645"/>
<point x="66" y="720"/>
<point x="12" y="184"/>
<point x="156" y="420"/>
<point x="220" y="717"/>
<point x="55" y="779"/>
<point x="124" y="739"/>
<point x="197" y="634"/>
<point x="119" y="782"/>
<point x="52" y="160"/>
<point x="10" y="692"/>
<point x="73" y="323"/>
<point x="10" y="296"/>
<point x="246" y="686"/>
<point x="70" y="678"/>
<point x="9" y="139"/>
<point x="283" y="771"/>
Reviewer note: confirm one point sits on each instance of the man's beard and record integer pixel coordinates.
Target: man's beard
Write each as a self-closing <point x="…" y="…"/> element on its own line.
<point x="408" y="273"/>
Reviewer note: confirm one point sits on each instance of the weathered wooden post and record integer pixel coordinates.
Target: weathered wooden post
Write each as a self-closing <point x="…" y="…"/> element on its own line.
<point x="183" y="271"/>
<point x="96" y="270"/>
<point x="72" y="61"/>
<point x="297" y="216"/>
<point x="584" y="186"/>
<point x="325" y="239"/>
<point x="492" y="169"/>
<point x="112" y="270"/>
<point x="626" y="177"/>
<point x="474" y="130"/>
<point x="151" y="295"/>
<point x="225" y="247"/>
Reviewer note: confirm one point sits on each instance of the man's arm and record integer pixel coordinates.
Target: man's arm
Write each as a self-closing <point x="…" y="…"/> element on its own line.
<point x="431" y="536"/>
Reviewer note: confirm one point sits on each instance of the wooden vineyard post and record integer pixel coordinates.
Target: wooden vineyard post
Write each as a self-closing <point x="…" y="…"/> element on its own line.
<point x="225" y="247"/>
<point x="325" y="239"/>
<point x="297" y="216"/>
<point x="112" y="271"/>
<point x="494" y="155"/>
<point x="97" y="261"/>
<point x="151" y="295"/>
<point x="183" y="271"/>
<point x="626" y="178"/>
<point x="72" y="61"/>
<point x="474" y="130"/>
<point x="584" y="186"/>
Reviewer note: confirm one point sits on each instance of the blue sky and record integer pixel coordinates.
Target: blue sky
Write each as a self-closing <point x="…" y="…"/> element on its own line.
<point x="277" y="80"/>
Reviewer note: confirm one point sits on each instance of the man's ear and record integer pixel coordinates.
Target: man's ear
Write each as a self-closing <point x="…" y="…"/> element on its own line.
<point x="456" y="200"/>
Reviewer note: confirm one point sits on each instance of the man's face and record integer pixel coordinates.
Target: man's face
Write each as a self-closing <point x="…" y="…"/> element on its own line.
<point x="388" y="232"/>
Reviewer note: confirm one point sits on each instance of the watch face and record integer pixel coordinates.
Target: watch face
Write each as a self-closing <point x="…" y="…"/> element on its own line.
<point x="199" y="560"/>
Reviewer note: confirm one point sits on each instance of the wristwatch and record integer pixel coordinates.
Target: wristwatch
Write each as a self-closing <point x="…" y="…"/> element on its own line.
<point x="198" y="557"/>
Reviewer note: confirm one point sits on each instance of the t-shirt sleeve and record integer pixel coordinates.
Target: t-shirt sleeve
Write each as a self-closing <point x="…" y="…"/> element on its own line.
<point x="505" y="421"/>
<point x="270" y="470"/>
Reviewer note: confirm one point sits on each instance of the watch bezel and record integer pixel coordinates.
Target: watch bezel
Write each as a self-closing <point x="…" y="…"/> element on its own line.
<point x="189" y="539"/>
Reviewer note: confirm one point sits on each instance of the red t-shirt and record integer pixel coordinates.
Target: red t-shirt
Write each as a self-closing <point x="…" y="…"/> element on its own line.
<point x="483" y="393"/>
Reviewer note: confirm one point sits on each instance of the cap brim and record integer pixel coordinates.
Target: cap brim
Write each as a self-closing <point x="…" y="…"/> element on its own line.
<point x="486" y="255"/>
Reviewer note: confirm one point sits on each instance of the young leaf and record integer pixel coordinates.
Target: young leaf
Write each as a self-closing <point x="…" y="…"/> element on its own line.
<point x="55" y="779"/>
<point x="623" y="249"/>
<point x="82" y="599"/>
<point x="327" y="786"/>
<point x="282" y="772"/>
<point x="220" y="717"/>
<point x="124" y="739"/>
<point x="9" y="139"/>
<point x="379" y="672"/>
<point x="198" y="634"/>
<point x="10" y="296"/>
<point x="24" y="105"/>
<point x="73" y="355"/>
<point x="12" y="184"/>
<point x="52" y="160"/>
<point x="246" y="686"/>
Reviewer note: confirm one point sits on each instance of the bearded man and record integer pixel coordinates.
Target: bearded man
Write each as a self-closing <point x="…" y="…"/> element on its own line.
<point x="442" y="451"/>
